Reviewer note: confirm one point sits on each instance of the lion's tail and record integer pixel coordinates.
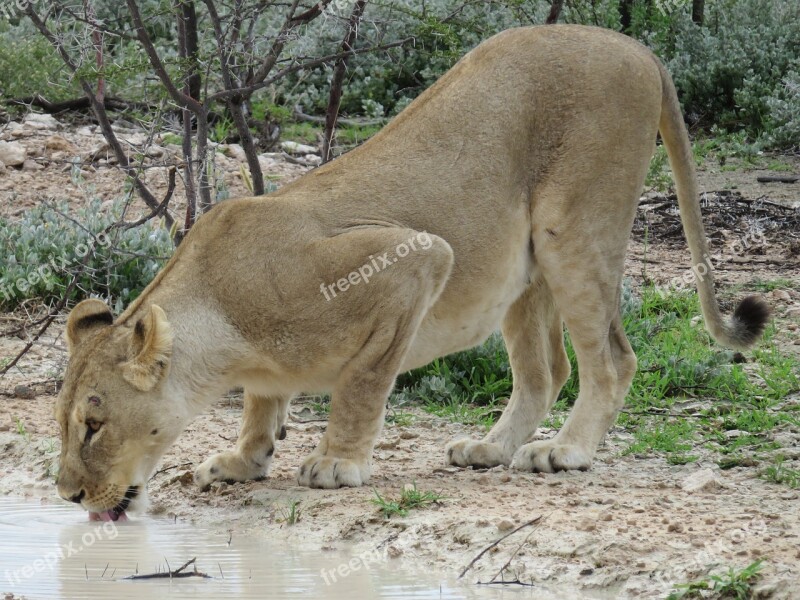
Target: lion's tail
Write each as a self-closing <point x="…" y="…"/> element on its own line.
<point x="747" y="324"/>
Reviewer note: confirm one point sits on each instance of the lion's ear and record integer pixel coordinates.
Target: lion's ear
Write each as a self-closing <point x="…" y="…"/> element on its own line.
<point x="150" y="350"/>
<point x="87" y="316"/>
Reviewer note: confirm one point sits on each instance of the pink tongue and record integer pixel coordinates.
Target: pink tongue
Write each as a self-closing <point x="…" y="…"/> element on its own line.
<point x="107" y="515"/>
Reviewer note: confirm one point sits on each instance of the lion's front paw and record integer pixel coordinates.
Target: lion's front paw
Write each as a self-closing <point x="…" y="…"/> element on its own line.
<point x="231" y="467"/>
<point x="481" y="455"/>
<point x="321" y="471"/>
<point x="550" y="456"/>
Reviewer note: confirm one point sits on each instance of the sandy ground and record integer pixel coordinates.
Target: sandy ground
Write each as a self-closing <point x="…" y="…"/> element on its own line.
<point x="630" y="528"/>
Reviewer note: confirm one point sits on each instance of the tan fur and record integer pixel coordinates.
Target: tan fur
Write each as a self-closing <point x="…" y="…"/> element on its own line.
<point x="515" y="180"/>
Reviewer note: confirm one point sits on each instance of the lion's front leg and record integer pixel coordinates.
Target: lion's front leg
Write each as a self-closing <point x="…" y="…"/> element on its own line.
<point x="382" y="316"/>
<point x="263" y="422"/>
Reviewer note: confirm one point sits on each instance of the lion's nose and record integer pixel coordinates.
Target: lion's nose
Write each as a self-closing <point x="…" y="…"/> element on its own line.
<point x="78" y="497"/>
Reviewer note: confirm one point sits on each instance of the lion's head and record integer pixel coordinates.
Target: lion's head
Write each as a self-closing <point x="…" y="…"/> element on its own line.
<point x="111" y="407"/>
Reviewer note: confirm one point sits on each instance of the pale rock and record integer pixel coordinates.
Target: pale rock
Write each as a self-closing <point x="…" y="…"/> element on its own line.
<point x="31" y="165"/>
<point x="704" y="480"/>
<point x="134" y="139"/>
<point x="297" y="148"/>
<point x="58" y="143"/>
<point x="155" y="151"/>
<point x="504" y="525"/>
<point x="87" y="131"/>
<point x="313" y="159"/>
<point x="235" y="151"/>
<point x="40" y="121"/>
<point x="781" y="295"/>
<point x="12" y="154"/>
<point x="267" y="162"/>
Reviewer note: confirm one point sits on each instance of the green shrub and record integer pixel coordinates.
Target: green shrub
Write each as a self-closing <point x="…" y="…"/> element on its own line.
<point x="43" y="250"/>
<point x="733" y="70"/>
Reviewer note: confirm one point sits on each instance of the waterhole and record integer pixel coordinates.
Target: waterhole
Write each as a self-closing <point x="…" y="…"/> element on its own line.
<point x="50" y="550"/>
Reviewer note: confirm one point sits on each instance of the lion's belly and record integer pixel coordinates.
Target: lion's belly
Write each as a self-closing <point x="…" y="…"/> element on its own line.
<point x="464" y="317"/>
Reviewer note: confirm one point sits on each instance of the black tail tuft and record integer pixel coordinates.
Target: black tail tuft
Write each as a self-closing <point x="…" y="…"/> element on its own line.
<point x="749" y="320"/>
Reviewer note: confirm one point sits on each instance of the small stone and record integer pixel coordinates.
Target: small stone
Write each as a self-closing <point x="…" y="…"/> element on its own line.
<point x="24" y="392"/>
<point x="505" y="525"/>
<point x="235" y="151"/>
<point x="408" y="435"/>
<point x="505" y="478"/>
<point x="40" y="121"/>
<point x="58" y="143"/>
<point x="31" y="165"/>
<point x="781" y="295"/>
<point x="675" y="528"/>
<point x="297" y="148"/>
<point x="704" y="480"/>
<point x="12" y="154"/>
<point x="394" y="551"/>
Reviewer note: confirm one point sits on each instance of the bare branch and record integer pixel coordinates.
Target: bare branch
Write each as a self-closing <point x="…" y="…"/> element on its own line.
<point x="305" y="65"/>
<point x="183" y="100"/>
<point x="335" y="99"/>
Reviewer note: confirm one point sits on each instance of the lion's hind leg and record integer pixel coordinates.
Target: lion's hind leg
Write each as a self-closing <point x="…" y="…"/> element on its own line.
<point x="534" y="337"/>
<point x="263" y="422"/>
<point x="586" y="287"/>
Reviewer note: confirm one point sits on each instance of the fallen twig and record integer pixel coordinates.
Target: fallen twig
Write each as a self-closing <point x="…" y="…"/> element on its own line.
<point x="176" y="574"/>
<point x="778" y="178"/>
<point x="495" y="543"/>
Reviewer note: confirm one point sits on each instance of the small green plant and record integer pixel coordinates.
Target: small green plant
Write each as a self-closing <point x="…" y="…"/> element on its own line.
<point x="401" y="419"/>
<point x="782" y="475"/>
<point x="21" y="428"/>
<point x="221" y="130"/>
<point x="290" y="514"/>
<point x="171" y="138"/>
<point x="322" y="405"/>
<point x="659" y="177"/>
<point x="410" y="498"/>
<point x="734" y="584"/>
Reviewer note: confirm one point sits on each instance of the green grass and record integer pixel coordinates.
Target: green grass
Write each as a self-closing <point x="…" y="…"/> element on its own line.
<point x="290" y="514"/>
<point x="354" y="135"/>
<point x="734" y="584"/>
<point x="307" y="133"/>
<point x="730" y="151"/>
<point x="782" y="475"/>
<point x="770" y="285"/>
<point x="410" y="499"/>
<point x="678" y="365"/>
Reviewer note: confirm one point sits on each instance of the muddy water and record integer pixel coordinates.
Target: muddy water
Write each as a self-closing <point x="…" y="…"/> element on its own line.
<point x="51" y="551"/>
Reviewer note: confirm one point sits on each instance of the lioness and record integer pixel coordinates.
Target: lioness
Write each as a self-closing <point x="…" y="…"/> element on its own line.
<point x="503" y="196"/>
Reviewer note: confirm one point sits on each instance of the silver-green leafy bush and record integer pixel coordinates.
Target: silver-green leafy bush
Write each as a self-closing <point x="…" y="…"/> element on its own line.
<point x="41" y="252"/>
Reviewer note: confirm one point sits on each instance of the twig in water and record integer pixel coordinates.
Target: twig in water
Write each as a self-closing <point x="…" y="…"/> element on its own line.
<point x="176" y="574"/>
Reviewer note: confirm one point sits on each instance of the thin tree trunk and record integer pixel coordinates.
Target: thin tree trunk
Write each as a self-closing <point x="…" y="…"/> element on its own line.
<point x="335" y="99"/>
<point x="625" y="15"/>
<point x="186" y="115"/>
<point x="555" y="12"/>
<point x="698" y="11"/>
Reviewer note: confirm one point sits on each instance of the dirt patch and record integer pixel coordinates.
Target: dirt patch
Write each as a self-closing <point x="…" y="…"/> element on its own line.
<point x="631" y="527"/>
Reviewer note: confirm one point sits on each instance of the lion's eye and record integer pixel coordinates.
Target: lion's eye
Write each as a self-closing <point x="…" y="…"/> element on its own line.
<point x="92" y="427"/>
